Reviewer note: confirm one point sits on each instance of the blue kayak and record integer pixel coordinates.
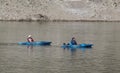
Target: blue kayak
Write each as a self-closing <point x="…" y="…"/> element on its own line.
<point x="37" y="43"/>
<point x="83" y="45"/>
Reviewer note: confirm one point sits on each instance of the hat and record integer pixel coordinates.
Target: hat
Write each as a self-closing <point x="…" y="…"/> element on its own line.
<point x="29" y="35"/>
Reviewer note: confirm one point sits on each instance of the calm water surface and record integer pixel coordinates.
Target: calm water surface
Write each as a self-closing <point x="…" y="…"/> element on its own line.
<point x="104" y="57"/>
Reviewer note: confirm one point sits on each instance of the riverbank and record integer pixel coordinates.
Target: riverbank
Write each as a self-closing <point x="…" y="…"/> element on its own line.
<point x="61" y="20"/>
<point x="60" y="10"/>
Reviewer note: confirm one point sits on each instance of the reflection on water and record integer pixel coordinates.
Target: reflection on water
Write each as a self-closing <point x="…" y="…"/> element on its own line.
<point x="102" y="58"/>
<point x="30" y="50"/>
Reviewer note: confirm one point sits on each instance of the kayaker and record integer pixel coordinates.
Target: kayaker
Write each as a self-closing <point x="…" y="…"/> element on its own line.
<point x="73" y="41"/>
<point x="30" y="39"/>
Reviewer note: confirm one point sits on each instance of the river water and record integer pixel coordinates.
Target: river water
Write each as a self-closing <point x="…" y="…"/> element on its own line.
<point x="104" y="57"/>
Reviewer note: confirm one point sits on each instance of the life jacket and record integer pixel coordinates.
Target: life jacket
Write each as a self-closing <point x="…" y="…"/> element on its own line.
<point x="30" y="39"/>
<point x="73" y="42"/>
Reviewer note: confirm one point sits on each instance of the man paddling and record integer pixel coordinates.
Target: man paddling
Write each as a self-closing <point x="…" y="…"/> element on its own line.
<point x="73" y="41"/>
<point x="30" y="39"/>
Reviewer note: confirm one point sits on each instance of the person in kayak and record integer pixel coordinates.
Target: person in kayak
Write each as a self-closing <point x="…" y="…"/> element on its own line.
<point x="30" y="39"/>
<point x="73" y="41"/>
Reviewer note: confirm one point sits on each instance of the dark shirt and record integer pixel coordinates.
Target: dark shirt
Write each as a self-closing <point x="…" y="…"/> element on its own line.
<point x="73" y="42"/>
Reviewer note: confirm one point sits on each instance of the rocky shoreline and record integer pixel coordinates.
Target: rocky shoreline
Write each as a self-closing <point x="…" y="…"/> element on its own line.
<point x="26" y="20"/>
<point x="60" y="10"/>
